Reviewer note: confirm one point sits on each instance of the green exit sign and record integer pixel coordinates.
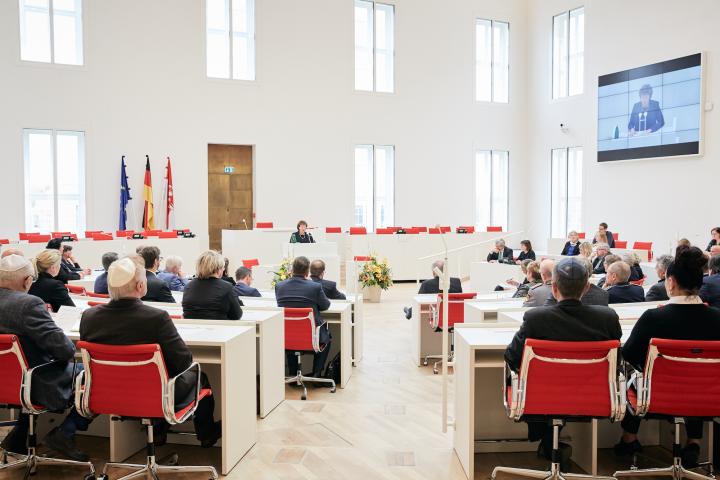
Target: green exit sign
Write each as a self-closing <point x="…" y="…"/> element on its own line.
<point x="229" y="169"/>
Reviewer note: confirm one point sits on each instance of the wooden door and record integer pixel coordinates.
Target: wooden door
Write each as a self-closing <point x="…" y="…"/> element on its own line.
<point x="230" y="193"/>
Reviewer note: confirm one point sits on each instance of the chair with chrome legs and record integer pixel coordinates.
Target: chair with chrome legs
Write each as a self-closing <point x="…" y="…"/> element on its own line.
<point x="130" y="382"/>
<point x="456" y="314"/>
<point x="303" y="336"/>
<point x="560" y="382"/>
<point x="681" y="380"/>
<point x="16" y="394"/>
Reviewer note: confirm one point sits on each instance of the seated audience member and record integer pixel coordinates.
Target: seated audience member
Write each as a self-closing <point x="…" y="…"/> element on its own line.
<point x="532" y="279"/>
<point x="526" y="252"/>
<point x="601" y="251"/>
<point x="685" y="317"/>
<point x="617" y="286"/>
<point x="70" y="264"/>
<point x="12" y="251"/>
<point x="225" y="273"/>
<point x="540" y="293"/>
<point x="433" y="285"/>
<point x="511" y="281"/>
<point x="317" y="275"/>
<point x="47" y="287"/>
<point x="501" y="253"/>
<point x="594" y="295"/>
<point x="66" y="273"/>
<point x="300" y="292"/>
<point x="243" y="287"/>
<point x="157" y="290"/>
<point x="658" y="292"/>
<point x="586" y="250"/>
<point x="569" y="320"/>
<point x="173" y="274"/>
<point x="42" y="342"/>
<point x="572" y="246"/>
<point x="710" y="291"/>
<point x="683" y="243"/>
<point x="208" y="297"/>
<point x="715" y="234"/>
<point x="139" y="249"/>
<point x="101" y="281"/>
<point x="125" y="320"/>
<point x="636" y="272"/>
<point x="604" y="235"/>
<point x="609" y="260"/>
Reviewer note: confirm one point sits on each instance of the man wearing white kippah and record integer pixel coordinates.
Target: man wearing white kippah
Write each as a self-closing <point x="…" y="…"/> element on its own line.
<point x="42" y="341"/>
<point x="126" y="320"/>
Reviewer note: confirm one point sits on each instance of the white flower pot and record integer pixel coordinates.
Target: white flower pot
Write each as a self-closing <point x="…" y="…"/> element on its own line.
<point x="372" y="294"/>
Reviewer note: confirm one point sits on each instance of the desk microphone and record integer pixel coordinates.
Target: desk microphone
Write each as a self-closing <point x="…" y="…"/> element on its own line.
<point x="246" y="227"/>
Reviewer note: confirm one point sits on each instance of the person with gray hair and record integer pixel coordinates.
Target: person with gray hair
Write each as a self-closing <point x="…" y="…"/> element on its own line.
<point x="501" y="253"/>
<point x="432" y="285"/>
<point x="569" y="321"/>
<point x="602" y="250"/>
<point x="101" y="285"/>
<point x="173" y="274"/>
<point x="42" y="341"/>
<point x="618" y="287"/>
<point x="658" y="292"/>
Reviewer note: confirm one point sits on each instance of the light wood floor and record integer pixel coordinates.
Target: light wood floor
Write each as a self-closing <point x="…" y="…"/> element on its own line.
<point x="385" y="425"/>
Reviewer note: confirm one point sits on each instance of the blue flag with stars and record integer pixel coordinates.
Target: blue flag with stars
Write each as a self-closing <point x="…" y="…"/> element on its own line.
<point x="124" y="195"/>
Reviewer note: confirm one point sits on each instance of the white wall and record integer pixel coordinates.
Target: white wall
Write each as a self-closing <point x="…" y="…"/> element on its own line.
<point x="645" y="200"/>
<point x="143" y="90"/>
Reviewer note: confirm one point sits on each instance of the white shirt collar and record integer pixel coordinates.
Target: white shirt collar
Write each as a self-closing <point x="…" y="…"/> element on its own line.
<point x="683" y="300"/>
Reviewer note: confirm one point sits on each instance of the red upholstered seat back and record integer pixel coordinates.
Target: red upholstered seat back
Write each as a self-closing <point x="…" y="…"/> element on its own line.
<point x="581" y="235"/>
<point x="12" y="366"/>
<point x="494" y="229"/>
<point x="383" y="231"/>
<point x="620" y="243"/>
<point x="38" y="238"/>
<point x="131" y="386"/>
<point x="445" y="229"/>
<point x="456" y="308"/>
<point x="26" y="235"/>
<point x="102" y="236"/>
<point x="299" y="329"/>
<point x="95" y="304"/>
<point x="434" y="231"/>
<point x="251" y="262"/>
<point x="264" y="225"/>
<point x="467" y="228"/>
<point x="561" y="388"/>
<point x="97" y="295"/>
<point x="360" y="258"/>
<point x="421" y="229"/>
<point x="684" y="379"/>
<point x="124" y="233"/>
<point x="333" y="229"/>
<point x="358" y="231"/>
<point x="172" y="234"/>
<point x="77" y="290"/>
<point x="4" y="241"/>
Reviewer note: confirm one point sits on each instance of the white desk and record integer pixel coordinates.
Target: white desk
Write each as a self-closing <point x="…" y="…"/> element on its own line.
<point x="628" y="313"/>
<point x="484" y="311"/>
<point x="485" y="276"/>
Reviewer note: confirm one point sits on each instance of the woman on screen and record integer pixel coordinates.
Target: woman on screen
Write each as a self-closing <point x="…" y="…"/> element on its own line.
<point x="646" y="116"/>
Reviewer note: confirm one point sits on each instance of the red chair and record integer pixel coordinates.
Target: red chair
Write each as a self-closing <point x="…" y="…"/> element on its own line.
<point x="456" y="314"/>
<point x="639" y="283"/>
<point x="97" y="295"/>
<point x="91" y="233"/>
<point x="151" y="233"/>
<point x="130" y="382"/>
<point x="172" y="234"/>
<point x="412" y="231"/>
<point x="303" y="336"/>
<point x="358" y="231"/>
<point x="26" y="235"/>
<point x="434" y="231"/>
<point x="467" y="228"/>
<point x="563" y="381"/>
<point x="77" y="290"/>
<point x="95" y="304"/>
<point x="124" y="233"/>
<point x="38" y="238"/>
<point x="252" y="262"/>
<point x="333" y="229"/>
<point x="102" y="237"/>
<point x="681" y="379"/>
<point x="622" y="244"/>
<point x="581" y="235"/>
<point x="361" y="258"/>
<point x="383" y="231"/>
<point x="493" y="229"/>
<point x="446" y="229"/>
<point x="4" y="241"/>
<point x="264" y="225"/>
<point x="421" y="229"/>
<point x="61" y="234"/>
<point x="15" y="393"/>
<point x="644" y="246"/>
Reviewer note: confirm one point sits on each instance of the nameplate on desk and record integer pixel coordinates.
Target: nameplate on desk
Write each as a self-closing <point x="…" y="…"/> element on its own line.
<point x="137" y="236"/>
<point x="67" y="238"/>
<point x="188" y="235"/>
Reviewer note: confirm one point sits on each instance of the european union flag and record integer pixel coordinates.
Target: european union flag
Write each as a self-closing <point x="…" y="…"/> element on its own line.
<point x="124" y="195"/>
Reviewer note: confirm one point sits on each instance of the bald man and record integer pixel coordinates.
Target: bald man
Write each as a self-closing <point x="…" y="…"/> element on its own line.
<point x="539" y="294"/>
<point x="317" y="275"/>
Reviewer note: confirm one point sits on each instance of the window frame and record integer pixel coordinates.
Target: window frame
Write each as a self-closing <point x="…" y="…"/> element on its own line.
<point x="80" y="46"/>
<point x="374" y="48"/>
<point x="230" y="39"/>
<point x="492" y="60"/>
<point x="373" y="225"/>
<point x="566" y="194"/>
<point x="566" y="55"/>
<point x="492" y="222"/>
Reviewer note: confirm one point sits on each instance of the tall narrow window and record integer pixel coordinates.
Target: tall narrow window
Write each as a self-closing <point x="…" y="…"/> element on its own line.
<point x="374" y="46"/>
<point x="566" y="191"/>
<point x="568" y="53"/>
<point x="54" y="180"/>
<point x="230" y="26"/>
<point x="492" y="177"/>
<point x="374" y="186"/>
<point x="492" y="61"/>
<point x="51" y="31"/>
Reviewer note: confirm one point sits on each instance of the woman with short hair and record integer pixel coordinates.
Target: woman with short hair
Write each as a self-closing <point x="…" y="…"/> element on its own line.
<point x="47" y="287"/>
<point x="302" y="235"/>
<point x="208" y="297"/>
<point x="526" y="252"/>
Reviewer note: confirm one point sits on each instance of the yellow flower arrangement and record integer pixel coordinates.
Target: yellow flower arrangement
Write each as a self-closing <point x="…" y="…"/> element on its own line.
<point x="376" y="273"/>
<point x="283" y="273"/>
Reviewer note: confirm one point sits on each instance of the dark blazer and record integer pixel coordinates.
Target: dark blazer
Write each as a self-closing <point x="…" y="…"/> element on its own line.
<point x="594" y="296"/>
<point x="673" y="321"/>
<point x="530" y="254"/>
<point x="712" y="243"/>
<point x="68" y="271"/>
<point x="568" y="321"/>
<point x="657" y="292"/>
<point x="598" y="266"/>
<point x="130" y="322"/>
<point x="507" y="255"/>
<point x="242" y="290"/>
<point x="636" y="273"/>
<point x="297" y="238"/>
<point x="330" y="288"/>
<point x="300" y="292"/>
<point x="42" y="341"/>
<point x="51" y="291"/>
<point x="570" y="249"/>
<point x="626" y="293"/>
<point x="433" y="286"/>
<point x="211" y="299"/>
<point x="654" y="120"/>
<point x="710" y="291"/>
<point x="101" y="285"/>
<point x="610" y="239"/>
<point x="157" y="290"/>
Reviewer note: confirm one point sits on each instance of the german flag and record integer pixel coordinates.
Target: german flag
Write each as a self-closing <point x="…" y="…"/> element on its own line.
<point x="148" y="222"/>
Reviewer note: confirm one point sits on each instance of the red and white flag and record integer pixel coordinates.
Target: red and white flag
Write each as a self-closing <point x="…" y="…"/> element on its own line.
<point x="169" y="197"/>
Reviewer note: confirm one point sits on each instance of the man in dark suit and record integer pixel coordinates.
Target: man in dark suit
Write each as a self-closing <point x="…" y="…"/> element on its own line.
<point x="602" y="250"/>
<point x="157" y="290"/>
<point x="125" y="320"/>
<point x="710" y="290"/>
<point x="101" y="285"/>
<point x="69" y="269"/>
<point x="42" y="342"/>
<point x="501" y="253"/>
<point x="299" y="291"/>
<point x="433" y="285"/>
<point x="617" y="286"/>
<point x="646" y="116"/>
<point x="569" y="321"/>
<point x="317" y="275"/>
<point x="603" y="228"/>
<point x="244" y="278"/>
<point x="594" y="295"/>
<point x="658" y="292"/>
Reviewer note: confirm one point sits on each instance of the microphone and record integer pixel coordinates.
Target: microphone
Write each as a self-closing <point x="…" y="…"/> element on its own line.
<point x="246" y="227"/>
